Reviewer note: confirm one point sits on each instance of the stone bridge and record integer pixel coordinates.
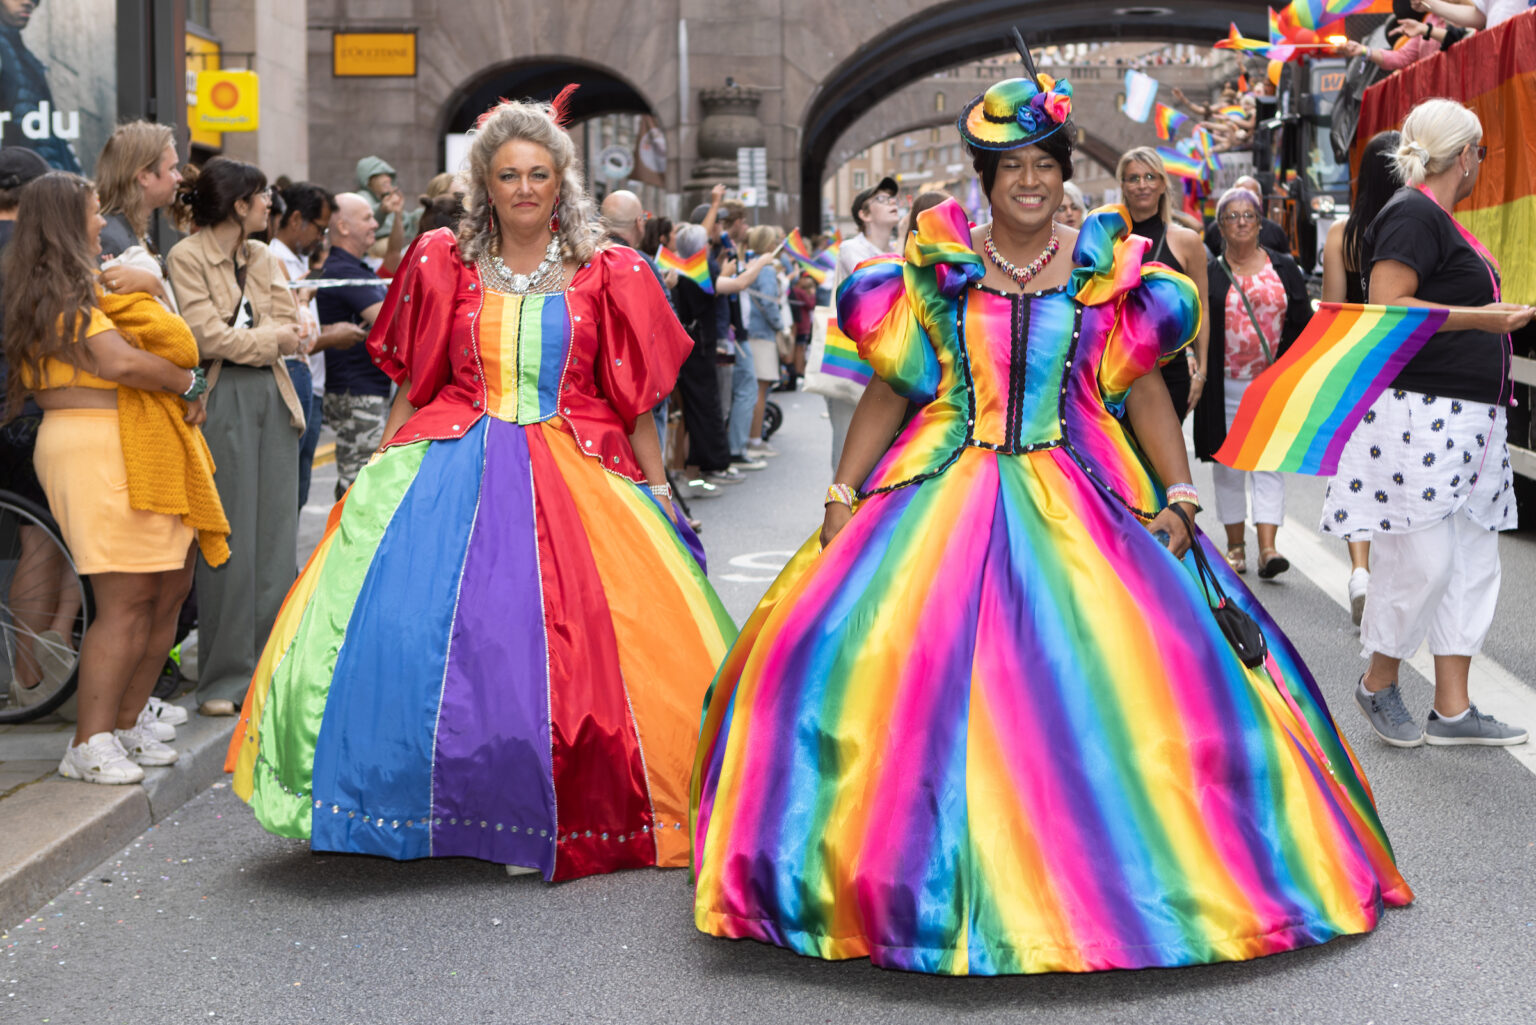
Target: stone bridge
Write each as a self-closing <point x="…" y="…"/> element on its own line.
<point x="819" y="68"/>
<point x="1103" y="131"/>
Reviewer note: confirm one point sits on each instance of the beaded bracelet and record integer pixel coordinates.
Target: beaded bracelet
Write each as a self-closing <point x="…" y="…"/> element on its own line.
<point x="842" y="494"/>
<point x="1183" y="493"/>
<point x="663" y="491"/>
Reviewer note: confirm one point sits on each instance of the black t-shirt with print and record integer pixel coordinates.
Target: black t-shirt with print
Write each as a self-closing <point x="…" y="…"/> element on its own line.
<point x="1414" y="231"/>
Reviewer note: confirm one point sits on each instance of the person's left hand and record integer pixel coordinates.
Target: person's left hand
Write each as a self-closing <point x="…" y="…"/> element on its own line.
<point x="1178" y="537"/>
<point x="1408" y="28"/>
<point x="392" y="203"/>
<point x="197" y="411"/>
<point x="125" y="280"/>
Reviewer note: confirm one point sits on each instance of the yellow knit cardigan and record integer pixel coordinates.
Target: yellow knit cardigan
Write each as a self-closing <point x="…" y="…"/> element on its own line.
<point x="170" y="469"/>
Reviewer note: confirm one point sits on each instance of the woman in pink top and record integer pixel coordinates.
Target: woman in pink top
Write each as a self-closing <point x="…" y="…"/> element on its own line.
<point x="1242" y="344"/>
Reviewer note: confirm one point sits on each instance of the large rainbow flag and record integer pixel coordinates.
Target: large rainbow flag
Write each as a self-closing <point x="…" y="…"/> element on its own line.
<point x="695" y="268"/>
<point x="1494" y="73"/>
<point x="1297" y="415"/>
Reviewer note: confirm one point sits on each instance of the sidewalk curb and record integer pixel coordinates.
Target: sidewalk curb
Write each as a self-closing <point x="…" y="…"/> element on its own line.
<point x="54" y="830"/>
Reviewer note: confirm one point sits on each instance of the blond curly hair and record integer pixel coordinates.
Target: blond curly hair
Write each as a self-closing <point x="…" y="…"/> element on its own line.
<point x="580" y="233"/>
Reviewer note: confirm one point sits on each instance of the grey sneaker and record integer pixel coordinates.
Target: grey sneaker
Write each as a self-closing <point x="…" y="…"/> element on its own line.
<point x="1475" y="728"/>
<point x="1387" y="715"/>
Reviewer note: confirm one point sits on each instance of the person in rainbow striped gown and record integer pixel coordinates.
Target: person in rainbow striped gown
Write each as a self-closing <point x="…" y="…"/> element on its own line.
<point x="500" y="646"/>
<point x="991" y="726"/>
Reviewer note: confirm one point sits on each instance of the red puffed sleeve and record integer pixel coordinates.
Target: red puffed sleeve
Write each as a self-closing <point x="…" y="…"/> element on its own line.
<point x="409" y="340"/>
<point x="641" y="345"/>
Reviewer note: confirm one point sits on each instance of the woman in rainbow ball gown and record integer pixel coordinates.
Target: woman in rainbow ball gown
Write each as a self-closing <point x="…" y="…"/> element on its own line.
<point x="500" y="647"/>
<point x="991" y="726"/>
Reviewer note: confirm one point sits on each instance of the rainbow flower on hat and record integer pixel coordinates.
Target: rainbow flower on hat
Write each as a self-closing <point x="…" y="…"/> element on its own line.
<point x="1017" y="112"/>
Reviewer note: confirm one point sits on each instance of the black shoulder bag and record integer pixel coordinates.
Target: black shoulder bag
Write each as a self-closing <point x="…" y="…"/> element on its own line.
<point x="1236" y="625"/>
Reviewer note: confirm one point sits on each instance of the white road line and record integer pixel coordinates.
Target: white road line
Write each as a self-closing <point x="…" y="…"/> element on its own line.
<point x="1495" y="689"/>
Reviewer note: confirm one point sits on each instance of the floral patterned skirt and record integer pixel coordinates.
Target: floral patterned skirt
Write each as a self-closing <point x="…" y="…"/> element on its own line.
<point x="1416" y="459"/>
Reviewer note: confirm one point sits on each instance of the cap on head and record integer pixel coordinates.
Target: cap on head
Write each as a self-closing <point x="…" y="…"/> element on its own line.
<point x="1016" y="112"/>
<point x="19" y="165"/>
<point x="886" y="184"/>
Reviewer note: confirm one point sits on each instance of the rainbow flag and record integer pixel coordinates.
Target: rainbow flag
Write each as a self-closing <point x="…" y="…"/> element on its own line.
<point x="795" y="243"/>
<point x="840" y="356"/>
<point x="1232" y="112"/>
<point x="1181" y="165"/>
<point x="1167" y="122"/>
<point x="1297" y="415"/>
<point x="1207" y="149"/>
<point x="695" y="268"/>
<point x="1236" y="41"/>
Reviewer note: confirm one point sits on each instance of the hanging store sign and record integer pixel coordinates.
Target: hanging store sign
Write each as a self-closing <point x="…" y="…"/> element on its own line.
<point x="373" y="54"/>
<point x="227" y="101"/>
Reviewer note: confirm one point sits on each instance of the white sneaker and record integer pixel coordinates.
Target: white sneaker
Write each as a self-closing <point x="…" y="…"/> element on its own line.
<point x="1359" y="581"/>
<point x="748" y="463"/>
<point x="100" y="759"/>
<point x="761" y="449"/>
<point x="171" y="715"/>
<point x="161" y="731"/>
<point x="143" y="748"/>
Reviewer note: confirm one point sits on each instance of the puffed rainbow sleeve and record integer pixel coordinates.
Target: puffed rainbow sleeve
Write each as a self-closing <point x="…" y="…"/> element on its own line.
<point x="1157" y="310"/>
<point x="875" y="309"/>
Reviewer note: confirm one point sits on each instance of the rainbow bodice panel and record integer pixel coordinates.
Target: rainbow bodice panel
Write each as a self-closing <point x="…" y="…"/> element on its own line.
<point x="524" y="340"/>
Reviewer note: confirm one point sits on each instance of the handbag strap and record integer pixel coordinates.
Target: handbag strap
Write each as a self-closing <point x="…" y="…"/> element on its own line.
<point x="1203" y="569"/>
<point x="1269" y="357"/>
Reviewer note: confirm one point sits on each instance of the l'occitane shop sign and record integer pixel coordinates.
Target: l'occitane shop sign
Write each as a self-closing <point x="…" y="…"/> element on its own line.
<point x="373" y="54"/>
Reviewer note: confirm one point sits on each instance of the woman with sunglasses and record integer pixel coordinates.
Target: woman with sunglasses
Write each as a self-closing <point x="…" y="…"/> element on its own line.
<point x="1427" y="471"/>
<point x="1144" y="189"/>
<point x="234" y="295"/>
<point x="1260" y="299"/>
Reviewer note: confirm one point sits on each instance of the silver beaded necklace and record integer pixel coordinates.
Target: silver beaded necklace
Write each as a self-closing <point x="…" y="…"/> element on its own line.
<point x="546" y="277"/>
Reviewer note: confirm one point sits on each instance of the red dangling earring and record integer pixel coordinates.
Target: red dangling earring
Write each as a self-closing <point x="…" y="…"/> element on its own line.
<point x="554" y="219"/>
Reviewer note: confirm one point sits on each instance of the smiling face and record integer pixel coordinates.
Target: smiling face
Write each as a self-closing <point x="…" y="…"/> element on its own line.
<point x="1142" y="188"/>
<point x="159" y="182"/>
<point x="94" y="222"/>
<point x="1027" y="190"/>
<point x="523" y="185"/>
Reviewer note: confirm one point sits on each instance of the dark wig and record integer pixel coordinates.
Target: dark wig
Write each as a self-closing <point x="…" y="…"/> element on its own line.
<point x="1058" y="145"/>
<point x="209" y="196"/>
<point x="1375" y="183"/>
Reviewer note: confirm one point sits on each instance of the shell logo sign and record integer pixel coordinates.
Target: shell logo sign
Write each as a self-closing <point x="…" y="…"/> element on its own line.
<point x="227" y="101"/>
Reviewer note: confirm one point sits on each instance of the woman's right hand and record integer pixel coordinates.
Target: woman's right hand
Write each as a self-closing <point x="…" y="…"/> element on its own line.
<point x="1510" y="317"/>
<point x="289" y="337"/>
<point x="836" y="519"/>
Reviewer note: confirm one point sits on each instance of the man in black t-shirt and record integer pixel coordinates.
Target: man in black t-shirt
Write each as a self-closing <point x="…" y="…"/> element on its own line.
<point x="356" y="392"/>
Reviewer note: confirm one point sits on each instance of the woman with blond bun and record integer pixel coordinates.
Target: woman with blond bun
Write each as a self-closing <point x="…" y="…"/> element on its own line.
<point x="1428" y="468"/>
<point x="501" y="645"/>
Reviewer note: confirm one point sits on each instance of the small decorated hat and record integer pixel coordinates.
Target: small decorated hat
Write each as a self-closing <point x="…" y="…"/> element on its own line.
<point x="1016" y="112"/>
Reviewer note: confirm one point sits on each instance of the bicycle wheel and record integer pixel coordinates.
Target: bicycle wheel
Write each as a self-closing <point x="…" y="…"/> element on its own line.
<point x="45" y="606"/>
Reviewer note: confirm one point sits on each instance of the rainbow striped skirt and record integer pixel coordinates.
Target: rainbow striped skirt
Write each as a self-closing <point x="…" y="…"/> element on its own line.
<point x="499" y="651"/>
<point x="993" y="728"/>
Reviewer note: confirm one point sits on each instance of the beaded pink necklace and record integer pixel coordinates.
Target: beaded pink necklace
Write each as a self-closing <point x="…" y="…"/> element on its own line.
<point x="1022" y="274"/>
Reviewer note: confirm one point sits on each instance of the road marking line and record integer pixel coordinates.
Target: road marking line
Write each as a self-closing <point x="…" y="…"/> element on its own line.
<point x="1495" y="689"/>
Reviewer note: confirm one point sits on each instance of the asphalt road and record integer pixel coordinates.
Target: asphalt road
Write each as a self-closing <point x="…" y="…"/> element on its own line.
<point x="208" y="918"/>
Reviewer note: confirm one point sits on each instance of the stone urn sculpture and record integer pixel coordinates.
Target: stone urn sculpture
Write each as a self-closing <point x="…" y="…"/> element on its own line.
<point x="730" y="121"/>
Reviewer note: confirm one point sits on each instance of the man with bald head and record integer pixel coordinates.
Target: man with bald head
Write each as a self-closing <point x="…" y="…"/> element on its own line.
<point x="1271" y="235"/>
<point x="356" y="392"/>
<point x="624" y="223"/>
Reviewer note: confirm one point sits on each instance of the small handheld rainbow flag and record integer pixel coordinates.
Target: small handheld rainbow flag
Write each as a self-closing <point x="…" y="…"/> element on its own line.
<point x="1207" y="148"/>
<point x="1297" y="415"/>
<point x="1167" y="122"/>
<point x="695" y="268"/>
<point x="795" y="243"/>
<point x="1232" y="112"/>
<point x="1181" y="165"/>
<point x="1236" y="41"/>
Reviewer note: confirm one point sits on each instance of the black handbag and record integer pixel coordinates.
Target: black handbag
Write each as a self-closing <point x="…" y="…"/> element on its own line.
<point x="1236" y="625"/>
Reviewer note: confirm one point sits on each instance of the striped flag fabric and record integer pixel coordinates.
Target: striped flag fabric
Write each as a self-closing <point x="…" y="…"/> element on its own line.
<point x="695" y="268"/>
<point x="1181" y="165"/>
<point x="1297" y="415"/>
<point x="1236" y="41"/>
<point x="795" y="243"/>
<point x="1167" y="122"/>
<point x="1207" y="148"/>
<point x="1140" y="95"/>
<point x="840" y="356"/>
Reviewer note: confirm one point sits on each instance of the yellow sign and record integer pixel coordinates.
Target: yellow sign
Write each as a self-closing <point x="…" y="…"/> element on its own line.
<point x="227" y="101"/>
<point x="373" y="54"/>
<point x="202" y="55"/>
